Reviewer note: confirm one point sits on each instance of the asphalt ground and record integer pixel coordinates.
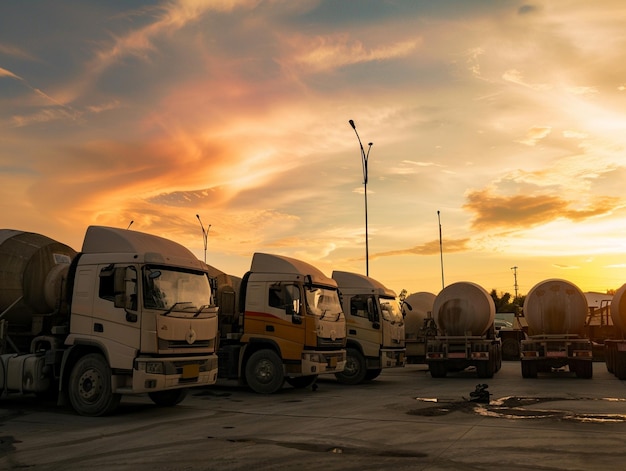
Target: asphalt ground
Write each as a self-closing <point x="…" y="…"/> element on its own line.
<point x="404" y="420"/>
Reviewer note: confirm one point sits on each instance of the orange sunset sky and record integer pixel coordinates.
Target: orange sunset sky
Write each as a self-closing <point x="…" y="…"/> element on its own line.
<point x="508" y="117"/>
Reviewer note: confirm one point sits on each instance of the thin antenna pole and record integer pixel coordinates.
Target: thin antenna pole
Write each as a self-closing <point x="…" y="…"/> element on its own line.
<point x="515" y="279"/>
<point x="443" y="285"/>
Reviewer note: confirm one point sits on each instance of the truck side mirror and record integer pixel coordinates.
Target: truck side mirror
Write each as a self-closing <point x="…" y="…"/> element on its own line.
<point x="294" y="308"/>
<point x="294" y="311"/>
<point x="372" y="312"/>
<point x="125" y="288"/>
<point x="119" y="287"/>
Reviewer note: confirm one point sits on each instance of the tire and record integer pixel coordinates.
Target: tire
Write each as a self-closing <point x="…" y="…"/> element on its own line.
<point x="529" y="369"/>
<point x="620" y="365"/>
<point x="485" y="369"/>
<point x="584" y="369"/>
<point x="373" y="374"/>
<point x="169" y="397"/>
<point x="510" y="349"/>
<point x="264" y="372"/>
<point x="437" y="369"/>
<point x="609" y="356"/>
<point x="301" y="382"/>
<point x="355" y="369"/>
<point x="89" y="387"/>
<point x="496" y="351"/>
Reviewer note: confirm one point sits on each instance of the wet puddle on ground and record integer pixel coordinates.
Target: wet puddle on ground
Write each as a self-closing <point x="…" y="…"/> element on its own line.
<point x="577" y="409"/>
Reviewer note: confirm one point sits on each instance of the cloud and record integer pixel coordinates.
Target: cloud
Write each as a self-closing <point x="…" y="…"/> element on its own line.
<point x="325" y="53"/>
<point x="535" y="134"/>
<point x="527" y="9"/>
<point x="525" y="211"/>
<point x="8" y="73"/>
<point x="565" y="267"/>
<point x="429" y="248"/>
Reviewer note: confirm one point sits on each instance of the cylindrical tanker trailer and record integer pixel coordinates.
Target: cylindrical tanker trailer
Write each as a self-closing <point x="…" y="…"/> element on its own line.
<point x="32" y="270"/>
<point x="615" y="349"/>
<point x="419" y="324"/>
<point x="464" y="314"/>
<point x="555" y="311"/>
<point x="86" y="328"/>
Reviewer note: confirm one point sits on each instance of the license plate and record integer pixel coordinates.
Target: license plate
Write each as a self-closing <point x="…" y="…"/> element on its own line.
<point x="332" y="362"/>
<point x="456" y="355"/>
<point x="191" y="371"/>
<point x="556" y="354"/>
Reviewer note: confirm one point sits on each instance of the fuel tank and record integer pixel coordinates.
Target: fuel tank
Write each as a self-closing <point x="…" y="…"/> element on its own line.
<point x="618" y="309"/>
<point x="554" y="307"/>
<point x="464" y="308"/>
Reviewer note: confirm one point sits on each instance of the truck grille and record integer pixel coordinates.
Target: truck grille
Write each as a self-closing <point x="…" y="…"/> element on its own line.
<point x="183" y="345"/>
<point x="328" y="343"/>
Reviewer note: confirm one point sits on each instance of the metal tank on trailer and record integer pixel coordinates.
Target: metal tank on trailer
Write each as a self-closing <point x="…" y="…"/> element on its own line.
<point x="32" y="268"/>
<point x="555" y="311"/>
<point x="615" y="349"/>
<point x="464" y="313"/>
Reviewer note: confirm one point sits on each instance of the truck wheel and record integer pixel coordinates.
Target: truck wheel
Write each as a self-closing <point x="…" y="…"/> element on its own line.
<point x="355" y="370"/>
<point x="584" y="369"/>
<point x="89" y="387"/>
<point x="609" y="360"/>
<point x="529" y="369"/>
<point x="301" y="382"/>
<point x="169" y="397"/>
<point x="485" y="369"/>
<point x="372" y="374"/>
<point x="264" y="372"/>
<point x="437" y="369"/>
<point x="620" y="365"/>
<point x="495" y="352"/>
<point x="510" y="349"/>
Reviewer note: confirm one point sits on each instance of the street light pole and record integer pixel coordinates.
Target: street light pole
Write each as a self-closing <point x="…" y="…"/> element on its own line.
<point x="205" y="235"/>
<point x="364" y="159"/>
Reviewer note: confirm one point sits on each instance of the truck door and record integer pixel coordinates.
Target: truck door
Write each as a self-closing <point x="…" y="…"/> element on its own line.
<point x="273" y="312"/>
<point x="116" y="319"/>
<point x="364" y="324"/>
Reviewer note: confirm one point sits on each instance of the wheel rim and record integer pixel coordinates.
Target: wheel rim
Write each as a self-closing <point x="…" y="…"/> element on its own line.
<point x="264" y="371"/>
<point x="352" y="366"/>
<point x="90" y="385"/>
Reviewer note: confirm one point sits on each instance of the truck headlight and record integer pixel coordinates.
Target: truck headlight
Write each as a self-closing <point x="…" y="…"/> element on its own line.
<point x="154" y="367"/>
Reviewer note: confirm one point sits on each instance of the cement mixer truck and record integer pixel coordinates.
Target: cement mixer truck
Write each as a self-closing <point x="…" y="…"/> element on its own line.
<point x="555" y="311"/>
<point x="419" y="324"/>
<point x="615" y="349"/>
<point x="129" y="314"/>
<point x="282" y="322"/>
<point x="464" y="314"/>
<point x="375" y="328"/>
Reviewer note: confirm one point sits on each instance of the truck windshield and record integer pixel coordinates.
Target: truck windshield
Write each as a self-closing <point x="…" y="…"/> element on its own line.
<point x="390" y="310"/>
<point x="172" y="290"/>
<point x="322" y="301"/>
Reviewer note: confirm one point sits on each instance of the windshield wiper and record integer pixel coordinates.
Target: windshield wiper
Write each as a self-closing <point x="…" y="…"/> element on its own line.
<point x="174" y="305"/>
<point x="202" y="308"/>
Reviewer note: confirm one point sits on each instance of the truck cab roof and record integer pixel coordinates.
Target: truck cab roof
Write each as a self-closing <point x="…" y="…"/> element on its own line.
<point x="146" y="248"/>
<point x="269" y="263"/>
<point x="360" y="283"/>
